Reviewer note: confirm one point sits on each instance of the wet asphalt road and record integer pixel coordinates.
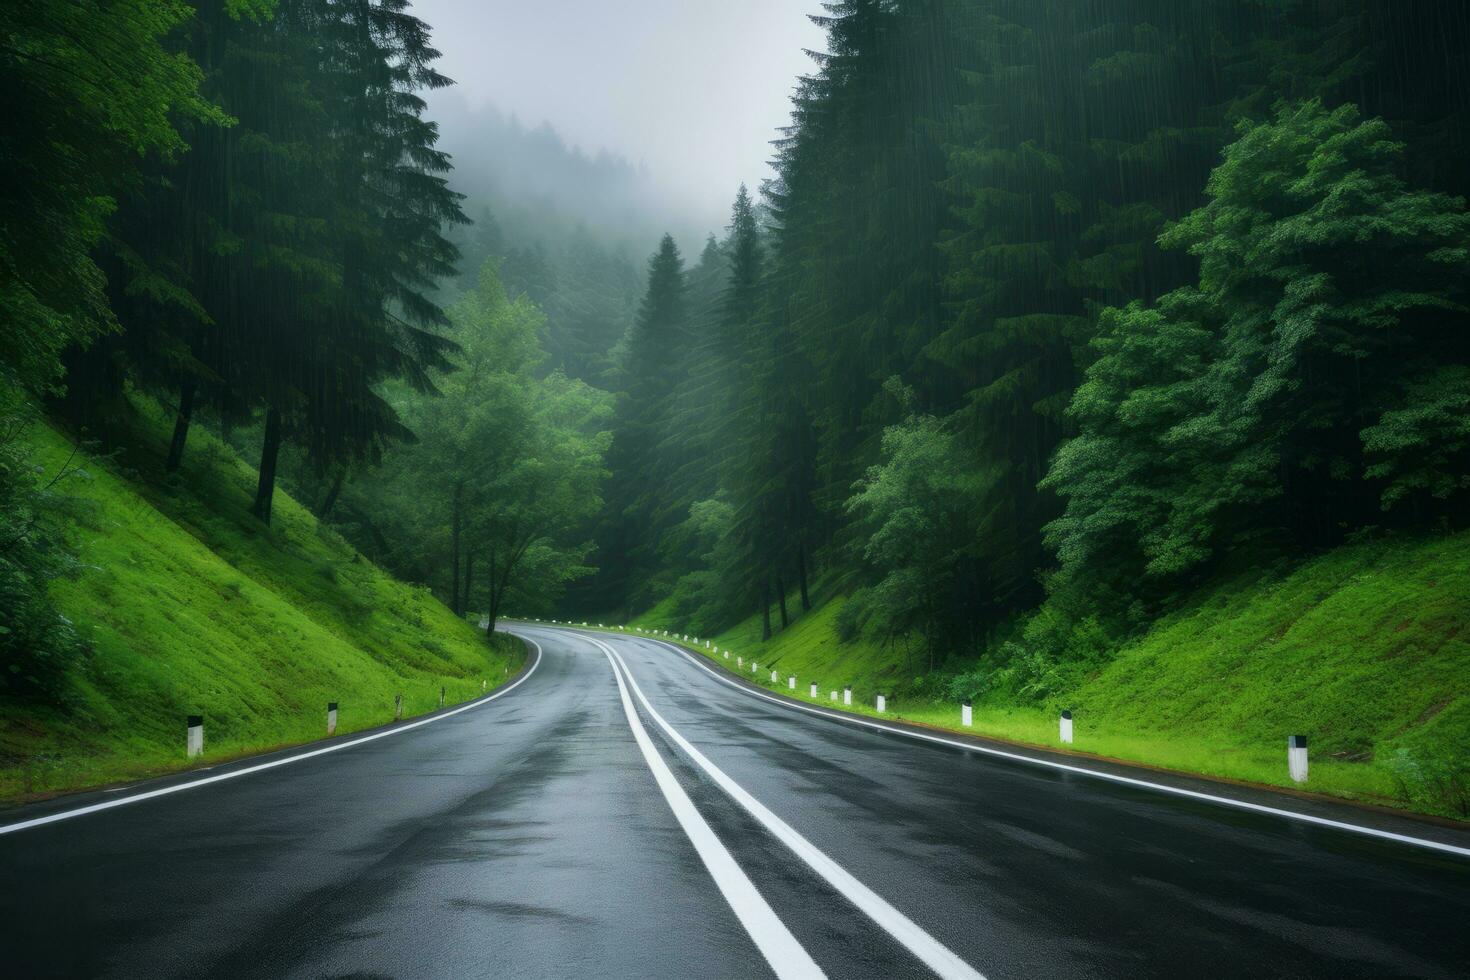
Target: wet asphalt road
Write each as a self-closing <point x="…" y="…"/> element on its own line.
<point x="528" y="837"/>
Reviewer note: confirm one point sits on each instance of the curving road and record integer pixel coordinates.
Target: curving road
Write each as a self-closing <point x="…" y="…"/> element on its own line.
<point x="625" y="811"/>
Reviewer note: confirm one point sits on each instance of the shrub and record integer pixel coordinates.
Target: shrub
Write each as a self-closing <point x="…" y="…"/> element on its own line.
<point x="970" y="685"/>
<point x="1438" y="783"/>
<point x="37" y="644"/>
<point x="850" y="619"/>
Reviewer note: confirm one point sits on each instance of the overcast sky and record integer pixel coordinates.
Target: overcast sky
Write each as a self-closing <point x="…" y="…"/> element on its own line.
<point x="692" y="89"/>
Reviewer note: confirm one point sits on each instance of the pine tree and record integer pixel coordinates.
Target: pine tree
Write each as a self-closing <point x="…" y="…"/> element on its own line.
<point x="637" y="491"/>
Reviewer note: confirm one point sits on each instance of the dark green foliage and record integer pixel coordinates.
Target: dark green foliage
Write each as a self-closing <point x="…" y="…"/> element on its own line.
<point x="91" y="92"/>
<point x="237" y="206"/>
<point x="637" y="492"/>
<point x="283" y="265"/>
<point x="915" y="513"/>
<point x="486" y="505"/>
<point x="37" y="643"/>
<point x="1170" y="216"/>
<point x="92" y="95"/>
<point x="1330" y="317"/>
<point x="1051" y="310"/>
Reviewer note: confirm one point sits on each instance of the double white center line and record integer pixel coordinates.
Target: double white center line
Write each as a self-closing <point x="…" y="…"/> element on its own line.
<point x="776" y="943"/>
<point x="781" y="950"/>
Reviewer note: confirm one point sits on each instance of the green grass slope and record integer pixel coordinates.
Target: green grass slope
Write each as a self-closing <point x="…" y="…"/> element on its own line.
<point x="191" y="606"/>
<point x="1360" y="649"/>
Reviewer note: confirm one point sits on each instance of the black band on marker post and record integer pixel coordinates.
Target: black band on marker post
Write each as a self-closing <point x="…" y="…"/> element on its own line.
<point x="196" y="721"/>
<point x="1296" y="741"/>
<point x="331" y="705"/>
<point x="1067" y="714"/>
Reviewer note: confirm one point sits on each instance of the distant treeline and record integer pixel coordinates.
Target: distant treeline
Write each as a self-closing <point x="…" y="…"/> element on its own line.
<point x="1053" y="310"/>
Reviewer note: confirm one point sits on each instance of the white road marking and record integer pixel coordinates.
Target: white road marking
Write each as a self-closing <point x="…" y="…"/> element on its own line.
<point x="1081" y="771"/>
<point x="928" y="949"/>
<point x="180" y="787"/>
<point x="776" y="943"/>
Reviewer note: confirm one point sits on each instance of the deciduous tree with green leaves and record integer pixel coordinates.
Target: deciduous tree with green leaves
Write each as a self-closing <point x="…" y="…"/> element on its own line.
<point x="1330" y="317"/>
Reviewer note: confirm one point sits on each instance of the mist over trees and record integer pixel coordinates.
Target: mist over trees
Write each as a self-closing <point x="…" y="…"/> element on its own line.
<point x="1058" y="311"/>
<point x="568" y="229"/>
<point x="540" y="188"/>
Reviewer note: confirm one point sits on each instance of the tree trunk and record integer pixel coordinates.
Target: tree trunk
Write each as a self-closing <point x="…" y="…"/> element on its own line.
<point x="265" y="489"/>
<point x="454" y="529"/>
<point x="333" y="493"/>
<point x="781" y="600"/>
<point x="181" y="427"/>
<point x="806" y="603"/>
<point x="469" y="575"/>
<point x="765" y="609"/>
<point x="500" y="573"/>
<point x="494" y="597"/>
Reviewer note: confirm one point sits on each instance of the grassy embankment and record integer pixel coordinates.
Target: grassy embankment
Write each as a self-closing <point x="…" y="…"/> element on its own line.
<point x="1360" y="649"/>
<point x="191" y="606"/>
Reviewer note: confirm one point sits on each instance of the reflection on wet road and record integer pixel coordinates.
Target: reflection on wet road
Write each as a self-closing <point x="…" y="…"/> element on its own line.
<point x="531" y="837"/>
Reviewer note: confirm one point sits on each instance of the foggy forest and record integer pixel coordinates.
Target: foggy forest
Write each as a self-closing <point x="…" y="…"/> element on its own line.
<point x="1048" y="331"/>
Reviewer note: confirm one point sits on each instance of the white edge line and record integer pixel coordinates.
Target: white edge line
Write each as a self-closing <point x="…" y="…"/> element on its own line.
<point x="934" y="954"/>
<point x="1079" y="770"/>
<point x="781" y="949"/>
<point x="180" y="787"/>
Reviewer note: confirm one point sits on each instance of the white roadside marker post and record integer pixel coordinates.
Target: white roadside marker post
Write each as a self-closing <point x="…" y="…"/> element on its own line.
<point x="965" y="715"/>
<point x="791" y="683"/>
<point x="847" y="696"/>
<point x="398" y="707"/>
<point x="814" y="689"/>
<point x="739" y="661"/>
<point x="482" y="685"/>
<point x="882" y="704"/>
<point x="1296" y="757"/>
<point x="331" y="717"/>
<point x="834" y="697"/>
<point x="1066" y="727"/>
<point x="194" y="744"/>
<point x="774" y="677"/>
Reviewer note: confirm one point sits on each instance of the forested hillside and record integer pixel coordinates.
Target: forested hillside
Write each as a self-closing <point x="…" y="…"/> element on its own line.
<point x="183" y="603"/>
<point x="567" y="228"/>
<point x="1052" y="314"/>
<point x="1053" y="319"/>
<point x="226" y="237"/>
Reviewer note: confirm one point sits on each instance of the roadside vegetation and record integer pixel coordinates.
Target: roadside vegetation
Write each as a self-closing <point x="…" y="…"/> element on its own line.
<point x="1110" y="356"/>
<point x="1068" y="348"/>
<point x="183" y="603"/>
<point x="1362" y="648"/>
<point x="225" y="275"/>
